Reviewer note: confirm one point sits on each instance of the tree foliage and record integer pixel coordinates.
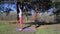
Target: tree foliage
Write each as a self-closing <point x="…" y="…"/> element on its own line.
<point x="39" y="4"/>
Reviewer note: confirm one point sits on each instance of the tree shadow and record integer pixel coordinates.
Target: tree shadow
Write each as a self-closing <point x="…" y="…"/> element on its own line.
<point x="37" y="24"/>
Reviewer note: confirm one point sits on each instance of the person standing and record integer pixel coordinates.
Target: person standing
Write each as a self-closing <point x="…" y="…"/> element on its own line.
<point x="20" y="17"/>
<point x="36" y="18"/>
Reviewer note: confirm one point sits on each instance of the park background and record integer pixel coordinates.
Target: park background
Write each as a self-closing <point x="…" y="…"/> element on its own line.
<point x="9" y="23"/>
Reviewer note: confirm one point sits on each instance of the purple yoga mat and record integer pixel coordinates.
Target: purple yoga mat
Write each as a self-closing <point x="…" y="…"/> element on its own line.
<point x="26" y="29"/>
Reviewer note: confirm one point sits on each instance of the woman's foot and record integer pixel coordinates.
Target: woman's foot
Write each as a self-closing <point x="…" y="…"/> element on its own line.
<point x="20" y="29"/>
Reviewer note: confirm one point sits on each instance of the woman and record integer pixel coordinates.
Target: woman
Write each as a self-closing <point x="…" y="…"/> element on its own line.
<point x="19" y="13"/>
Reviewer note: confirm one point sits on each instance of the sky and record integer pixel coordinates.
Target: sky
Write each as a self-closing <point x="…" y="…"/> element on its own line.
<point x="12" y="6"/>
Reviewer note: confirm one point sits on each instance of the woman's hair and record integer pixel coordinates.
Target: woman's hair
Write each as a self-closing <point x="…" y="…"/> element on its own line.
<point x="18" y="5"/>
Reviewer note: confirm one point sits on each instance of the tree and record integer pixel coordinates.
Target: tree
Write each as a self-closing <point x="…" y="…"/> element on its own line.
<point x="7" y="11"/>
<point x="57" y="12"/>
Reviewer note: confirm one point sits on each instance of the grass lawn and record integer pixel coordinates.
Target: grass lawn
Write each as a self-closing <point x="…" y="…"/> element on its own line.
<point x="9" y="28"/>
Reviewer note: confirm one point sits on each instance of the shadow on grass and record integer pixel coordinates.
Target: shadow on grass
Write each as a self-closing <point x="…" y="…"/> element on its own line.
<point x="37" y="24"/>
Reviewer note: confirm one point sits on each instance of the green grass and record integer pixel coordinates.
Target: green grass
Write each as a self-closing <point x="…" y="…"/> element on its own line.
<point x="3" y="26"/>
<point x="11" y="29"/>
<point x="45" y="31"/>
